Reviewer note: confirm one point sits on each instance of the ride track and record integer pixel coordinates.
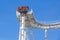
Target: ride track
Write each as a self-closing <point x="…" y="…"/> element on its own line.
<point x="31" y="22"/>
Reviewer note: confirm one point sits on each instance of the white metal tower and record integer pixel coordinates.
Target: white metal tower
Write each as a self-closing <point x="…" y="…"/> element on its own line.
<point x="26" y="19"/>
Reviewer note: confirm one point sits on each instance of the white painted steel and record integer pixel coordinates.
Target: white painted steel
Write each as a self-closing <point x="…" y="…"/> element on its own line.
<point x="22" y="34"/>
<point x="31" y="22"/>
<point x="46" y="34"/>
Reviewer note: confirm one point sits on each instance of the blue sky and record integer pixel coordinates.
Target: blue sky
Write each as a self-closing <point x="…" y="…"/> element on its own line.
<point x="45" y="11"/>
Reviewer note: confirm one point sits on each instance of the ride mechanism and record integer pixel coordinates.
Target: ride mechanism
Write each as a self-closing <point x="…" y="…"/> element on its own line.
<point x="26" y="20"/>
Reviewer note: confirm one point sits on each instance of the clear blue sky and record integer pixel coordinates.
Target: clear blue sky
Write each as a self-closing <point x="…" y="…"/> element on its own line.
<point x="45" y="11"/>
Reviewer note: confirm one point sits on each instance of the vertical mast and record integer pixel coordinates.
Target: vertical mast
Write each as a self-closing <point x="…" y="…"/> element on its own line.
<point x="22" y="29"/>
<point x="46" y="34"/>
<point x="22" y="32"/>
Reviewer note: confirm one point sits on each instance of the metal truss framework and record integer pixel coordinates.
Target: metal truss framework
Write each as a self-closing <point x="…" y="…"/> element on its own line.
<point x="28" y="20"/>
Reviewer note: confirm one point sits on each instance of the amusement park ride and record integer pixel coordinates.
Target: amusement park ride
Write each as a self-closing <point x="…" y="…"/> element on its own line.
<point x="26" y="19"/>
